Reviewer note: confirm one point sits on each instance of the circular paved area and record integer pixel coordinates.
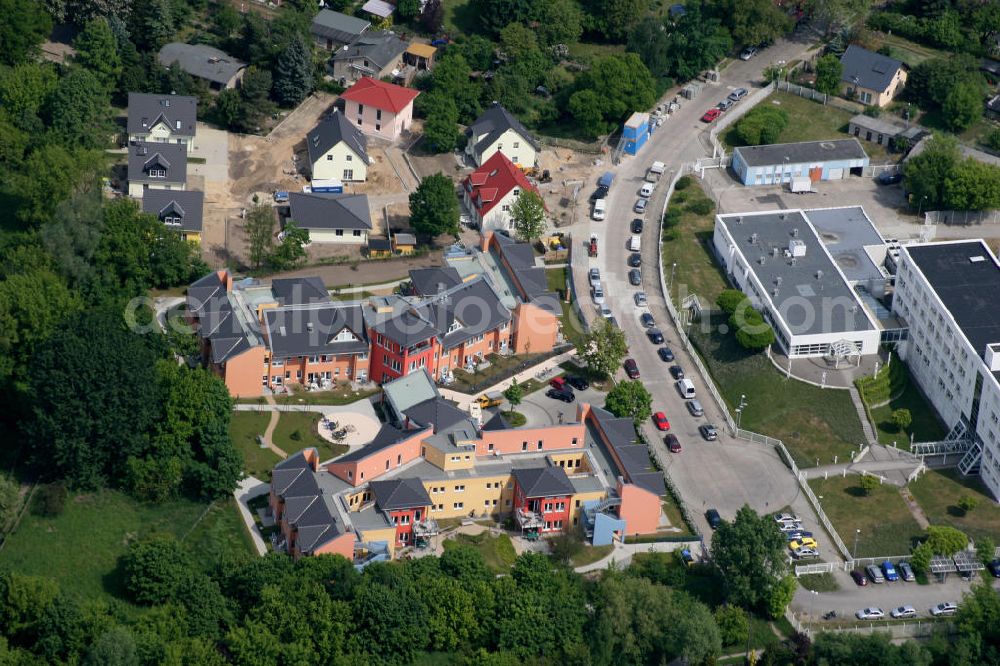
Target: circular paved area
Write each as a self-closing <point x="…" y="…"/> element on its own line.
<point x="360" y="420"/>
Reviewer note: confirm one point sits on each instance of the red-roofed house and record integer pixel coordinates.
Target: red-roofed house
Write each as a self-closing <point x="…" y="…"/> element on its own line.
<point x="379" y="108"/>
<point x="490" y="191"/>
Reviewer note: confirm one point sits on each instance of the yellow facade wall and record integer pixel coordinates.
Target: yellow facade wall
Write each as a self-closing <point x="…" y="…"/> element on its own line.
<point x="576" y="506"/>
<point x="450" y="460"/>
<point x="387" y="534"/>
<point x="473" y="496"/>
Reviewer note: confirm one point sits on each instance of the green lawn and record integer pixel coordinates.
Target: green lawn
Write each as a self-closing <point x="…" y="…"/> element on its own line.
<point x="590" y="554"/>
<point x="244" y="429"/>
<point x="343" y="394"/>
<point x="824" y="582"/>
<point x="80" y="548"/>
<point x="459" y="17"/>
<point x="696" y="272"/>
<point x="498" y="552"/>
<point x="887" y="527"/>
<point x="812" y="422"/>
<point x="300" y="430"/>
<point x="501" y="367"/>
<point x="938" y="492"/>
<point x="572" y="327"/>
<point x="910" y="53"/>
<point x="925" y="426"/>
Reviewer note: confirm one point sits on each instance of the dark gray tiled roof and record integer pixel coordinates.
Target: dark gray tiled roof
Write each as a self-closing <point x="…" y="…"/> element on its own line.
<point x="202" y="61"/>
<point x="170" y="157"/>
<point x="543" y="481"/>
<point x="380" y="47"/>
<point x="619" y="435"/>
<point x="185" y="204"/>
<point x="300" y="291"/>
<point x="474" y="304"/>
<point x="329" y="211"/>
<point x="406" y="328"/>
<point x="386" y="437"/>
<point x="491" y="125"/>
<point x="339" y="27"/>
<point x="400" y="494"/>
<point x="178" y="112"/>
<point x="309" y="331"/>
<point x="800" y="153"/>
<point x="204" y="292"/>
<point x="495" y="423"/>
<point x="430" y="281"/>
<point x="332" y="130"/>
<point x="529" y="278"/>
<point x="437" y="412"/>
<point x="872" y="70"/>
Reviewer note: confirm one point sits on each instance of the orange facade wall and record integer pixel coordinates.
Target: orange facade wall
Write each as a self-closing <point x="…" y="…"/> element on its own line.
<point x="640" y="509"/>
<point x="297" y="369"/>
<point x="521" y="440"/>
<point x="379" y="462"/>
<point x="342" y="545"/>
<point x="243" y="373"/>
<point x="535" y="329"/>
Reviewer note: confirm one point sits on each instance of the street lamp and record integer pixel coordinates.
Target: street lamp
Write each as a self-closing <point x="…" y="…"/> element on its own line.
<point x="920" y="208"/>
<point x="739" y="410"/>
<point x="812" y="599"/>
<point x="857" y="535"/>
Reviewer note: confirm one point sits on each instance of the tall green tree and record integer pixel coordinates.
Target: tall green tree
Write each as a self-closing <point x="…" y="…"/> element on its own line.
<point x="828" y="72"/>
<point x="528" y="215"/>
<point x="24" y="90"/>
<point x="514" y="394"/>
<point x="753" y="21"/>
<point x="613" y="19"/>
<point x="255" y="102"/>
<point x="696" y="43"/>
<point x="293" y="75"/>
<point x="441" y="125"/>
<point x="10" y="501"/>
<point x="25" y="26"/>
<point x="630" y="398"/>
<point x="495" y="15"/>
<point x="925" y="175"/>
<point x="603" y="349"/>
<point x="48" y="175"/>
<point x="151" y="24"/>
<point x="259" y="229"/>
<point x="749" y="553"/>
<point x="97" y="51"/>
<point x="963" y="105"/>
<point x="79" y="111"/>
<point x="291" y="251"/>
<point x="557" y="21"/>
<point x="434" y="207"/>
<point x="153" y="568"/>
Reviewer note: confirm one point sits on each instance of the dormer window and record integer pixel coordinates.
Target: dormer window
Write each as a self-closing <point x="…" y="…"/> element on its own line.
<point x="345" y="335"/>
<point x="172" y="220"/>
<point x="157" y="173"/>
<point x="455" y="325"/>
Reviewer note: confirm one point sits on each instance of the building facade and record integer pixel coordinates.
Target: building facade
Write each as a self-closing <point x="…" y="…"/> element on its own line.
<point x="490" y="191"/>
<point x="338" y="150"/>
<point x="497" y="130"/>
<point x="819" y="160"/>
<point x="162" y="119"/>
<point x="378" y="108"/>
<point x="871" y="78"/>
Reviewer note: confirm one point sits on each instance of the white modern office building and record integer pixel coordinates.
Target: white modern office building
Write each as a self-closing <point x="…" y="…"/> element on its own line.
<point x="815" y="275"/>
<point x="949" y="294"/>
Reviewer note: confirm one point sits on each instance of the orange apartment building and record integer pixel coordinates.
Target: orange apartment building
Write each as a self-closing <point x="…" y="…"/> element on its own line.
<point x="261" y="338"/>
<point x="432" y="461"/>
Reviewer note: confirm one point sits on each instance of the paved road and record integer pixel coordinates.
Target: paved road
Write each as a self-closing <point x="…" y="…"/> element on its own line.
<point x="727" y="473"/>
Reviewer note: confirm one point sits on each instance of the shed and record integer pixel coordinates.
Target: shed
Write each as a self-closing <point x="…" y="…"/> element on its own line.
<point x="878" y="131"/>
<point x="779" y="163"/>
<point x="420" y="56"/>
<point x="378" y="8"/>
<point x="379" y="247"/>
<point x="404" y="243"/>
<point x="636" y="132"/>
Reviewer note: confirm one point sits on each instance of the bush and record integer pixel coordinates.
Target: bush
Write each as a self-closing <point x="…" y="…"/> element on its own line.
<point x="901" y="418"/>
<point x="921" y="557"/>
<point x="51" y="500"/>
<point x="684" y="182"/>
<point x="672" y="217"/>
<point x="945" y="540"/>
<point x="761" y="125"/>
<point x="733" y="624"/>
<point x="701" y="206"/>
<point x="296" y="436"/>
<point x="993" y="140"/>
<point x="967" y="503"/>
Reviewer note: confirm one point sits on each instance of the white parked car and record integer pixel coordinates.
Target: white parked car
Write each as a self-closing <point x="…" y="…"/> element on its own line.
<point x="790" y="527"/>
<point x="640" y="299"/>
<point x="946" y="608"/>
<point x="903" y="612"/>
<point x="595" y="277"/>
<point x="805" y="553"/>
<point x="605" y="311"/>
<point x="597" y="293"/>
<point x="870" y="614"/>
<point x="786" y="518"/>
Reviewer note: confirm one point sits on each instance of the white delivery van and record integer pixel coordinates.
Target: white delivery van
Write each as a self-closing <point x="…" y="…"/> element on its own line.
<point x="646" y="190"/>
<point x="800" y="184"/>
<point x="635" y="243"/>
<point x="686" y="388"/>
<point x="654" y="172"/>
<point x="600" y="209"/>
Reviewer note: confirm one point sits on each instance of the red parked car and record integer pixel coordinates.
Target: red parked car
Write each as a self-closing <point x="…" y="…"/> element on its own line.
<point x="660" y="419"/>
<point x="711" y="115"/>
<point x="558" y="383"/>
<point x="631" y="368"/>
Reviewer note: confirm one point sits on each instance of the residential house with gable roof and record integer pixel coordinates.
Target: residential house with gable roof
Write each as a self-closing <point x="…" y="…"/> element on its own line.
<point x="375" y="54"/>
<point x="872" y="78"/>
<point x="217" y="68"/>
<point x="338" y="150"/>
<point x="162" y="119"/>
<point x="497" y="130"/>
<point x="332" y="30"/>
<point x="158" y="166"/>
<point x="331" y="218"/>
<point x="378" y="108"/>
<point x="180" y="210"/>
<point x="491" y="190"/>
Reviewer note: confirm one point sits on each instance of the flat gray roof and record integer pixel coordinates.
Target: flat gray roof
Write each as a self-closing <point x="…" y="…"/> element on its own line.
<point x="803" y="152"/>
<point x="807" y="291"/>
<point x="846" y="232"/>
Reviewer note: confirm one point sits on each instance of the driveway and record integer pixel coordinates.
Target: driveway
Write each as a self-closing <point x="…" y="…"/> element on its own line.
<point x="540" y="410"/>
<point x="211" y="145"/>
<point x="727" y="473"/>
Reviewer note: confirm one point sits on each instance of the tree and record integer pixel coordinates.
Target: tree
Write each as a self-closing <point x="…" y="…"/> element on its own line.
<point x="434" y="207"/>
<point x="603" y="349"/>
<point x="978" y="613"/>
<point x="750" y="555"/>
<point x="441" y="126"/>
<point x="781" y="595"/>
<point x="925" y="175"/>
<point x="97" y="51"/>
<point x="734" y="625"/>
<point x="985" y="549"/>
<point x="79" y="110"/>
<point x="972" y="185"/>
<point x="752" y="332"/>
<point x="869" y="483"/>
<point x="921" y="557"/>
<point x="621" y="83"/>
<point x="630" y="398"/>
<point x="47" y="176"/>
<point x="24" y="90"/>
<point x="291" y="250"/>
<point x="696" y="43"/>
<point x="115" y="647"/>
<point x="857" y="650"/>
<point x="259" y="228"/>
<point x="293" y="74"/>
<point x="408" y="9"/>
<point x="761" y="125"/>
<point x="10" y="501"/>
<point x="753" y="21"/>
<point x="901" y="418"/>
<point x="729" y="300"/>
<point x="450" y="79"/>
<point x="432" y="18"/>
<point x="967" y="503"/>
<point x="558" y="21"/>
<point x="963" y="105"/>
<point x="828" y="72"/>
<point x="25" y="26"/>
<point x="254" y="94"/>
<point x="153" y="568"/>
<point x="585" y="107"/>
<point x="946" y="540"/>
<point x="151" y="24"/>
<point x="228" y="106"/>
<point x="528" y="215"/>
<point x="614" y="18"/>
<point x="514" y="394"/>
<point x="495" y="15"/>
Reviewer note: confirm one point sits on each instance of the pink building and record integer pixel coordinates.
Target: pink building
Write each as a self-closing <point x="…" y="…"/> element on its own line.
<point x="378" y="108"/>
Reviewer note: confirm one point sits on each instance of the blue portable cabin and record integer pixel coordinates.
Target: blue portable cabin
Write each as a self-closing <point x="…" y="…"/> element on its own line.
<point x="636" y="132"/>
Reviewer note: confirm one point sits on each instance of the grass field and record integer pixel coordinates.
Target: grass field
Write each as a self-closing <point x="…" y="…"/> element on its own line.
<point x="498" y="552"/>
<point x="80" y="548"/>
<point x="299" y="430"/>
<point x="824" y="582"/>
<point x="812" y="422"/>
<point x="459" y="17"/>
<point x="938" y="492"/>
<point x="343" y="394"/>
<point x="244" y="428"/>
<point x="572" y="328"/>
<point x="910" y="53"/>
<point x="925" y="426"/>
<point x="696" y="272"/>
<point x="590" y="554"/>
<point x="887" y="527"/>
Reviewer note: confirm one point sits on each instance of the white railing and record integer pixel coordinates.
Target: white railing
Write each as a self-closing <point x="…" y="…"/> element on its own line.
<point x="734" y="114"/>
<point x="863" y="562"/>
<point x="820" y="568"/>
<point x="940" y="448"/>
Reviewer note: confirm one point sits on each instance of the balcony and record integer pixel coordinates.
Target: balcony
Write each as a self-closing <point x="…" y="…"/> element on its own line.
<point x="528" y="520"/>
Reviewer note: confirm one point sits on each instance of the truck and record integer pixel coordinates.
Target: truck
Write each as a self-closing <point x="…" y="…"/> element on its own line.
<point x="491" y="399"/>
<point x="592" y="246"/>
<point x="800" y="184"/>
<point x="654" y="172"/>
<point x="606" y="179"/>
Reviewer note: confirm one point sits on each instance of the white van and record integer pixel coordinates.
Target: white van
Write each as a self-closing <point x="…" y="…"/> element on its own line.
<point x="635" y="243"/>
<point x="646" y="190"/>
<point x="600" y="209"/>
<point x="686" y="388"/>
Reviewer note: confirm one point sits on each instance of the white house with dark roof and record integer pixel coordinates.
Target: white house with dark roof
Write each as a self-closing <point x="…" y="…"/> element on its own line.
<point x="180" y="210"/>
<point x="872" y="78"/>
<point x="331" y="30"/>
<point x="338" y="218"/>
<point x="159" y="166"/>
<point x="338" y="150"/>
<point x="205" y="62"/>
<point x="162" y="119"/>
<point x="496" y="130"/>
<point x="375" y="54"/>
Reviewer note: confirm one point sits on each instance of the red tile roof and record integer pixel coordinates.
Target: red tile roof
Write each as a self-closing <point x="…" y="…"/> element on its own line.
<point x="381" y="95"/>
<point x="490" y="183"/>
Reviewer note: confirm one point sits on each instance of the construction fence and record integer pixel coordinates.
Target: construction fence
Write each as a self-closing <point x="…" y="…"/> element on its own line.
<point x="962" y="218"/>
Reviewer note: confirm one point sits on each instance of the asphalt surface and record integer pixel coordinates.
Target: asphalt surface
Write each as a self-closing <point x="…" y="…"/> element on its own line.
<point x="727" y="473"/>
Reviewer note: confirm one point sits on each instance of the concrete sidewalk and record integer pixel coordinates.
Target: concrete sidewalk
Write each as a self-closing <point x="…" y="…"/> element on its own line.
<point x="622" y="555"/>
<point x="248" y="489"/>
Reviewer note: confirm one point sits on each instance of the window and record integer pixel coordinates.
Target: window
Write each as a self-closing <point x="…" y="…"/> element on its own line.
<point x="157" y="173"/>
<point x="574" y="441"/>
<point x="524" y="446"/>
<point x="458" y="505"/>
<point x="517" y="144"/>
<point x="350" y="474"/>
<point x="378" y="127"/>
<point x="348" y="174"/>
<point x="399" y="459"/>
<point x="339" y="232"/>
<point x="378" y="114"/>
<point x="348" y="158"/>
<point x="329" y="158"/>
<point x="486" y="502"/>
<point x="460" y="489"/>
<point x="540" y="443"/>
<point x="361" y="107"/>
<point x="490" y="447"/>
<point x="359" y="121"/>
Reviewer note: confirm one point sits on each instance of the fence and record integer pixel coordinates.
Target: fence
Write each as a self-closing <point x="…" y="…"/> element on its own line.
<point x="735" y="114"/>
<point x="915" y="629"/>
<point x="875" y="170"/>
<point x="802" y="91"/>
<point x="962" y="217"/>
<point x="819" y="568"/>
